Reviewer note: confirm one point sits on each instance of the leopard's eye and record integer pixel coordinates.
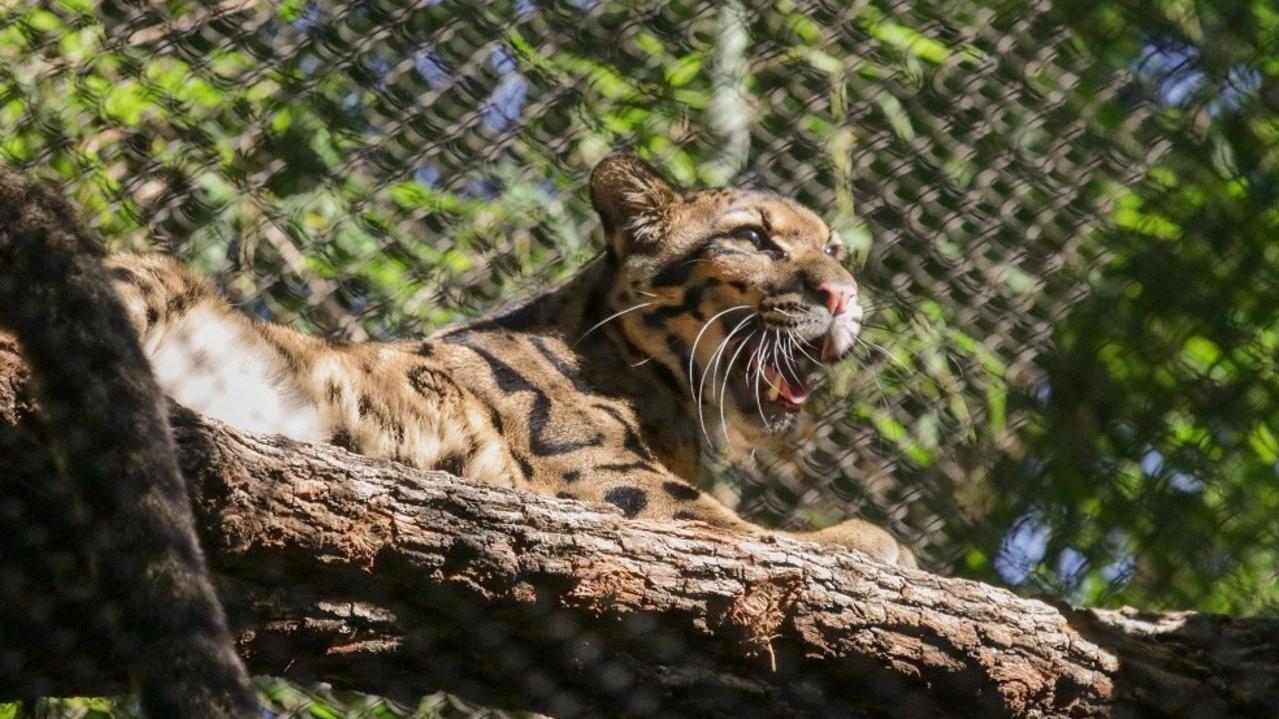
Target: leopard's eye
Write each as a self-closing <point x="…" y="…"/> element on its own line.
<point x="753" y="235"/>
<point x="835" y="250"/>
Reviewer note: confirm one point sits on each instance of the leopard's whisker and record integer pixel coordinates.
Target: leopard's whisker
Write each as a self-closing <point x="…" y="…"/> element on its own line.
<point x="912" y="372"/>
<point x="787" y="356"/>
<point x="874" y="375"/>
<point x="756" y="359"/>
<point x="763" y="357"/>
<point x="692" y="353"/>
<point x="884" y="351"/>
<point x="723" y="388"/>
<point x="728" y="371"/>
<point x="800" y="346"/>
<point x="882" y="328"/>
<point x="759" y="372"/>
<point x="699" y="393"/>
<point x="770" y="360"/>
<point x="711" y="368"/>
<point x="779" y="353"/>
<point x="952" y="358"/>
<point x="608" y="319"/>
<point x="889" y="303"/>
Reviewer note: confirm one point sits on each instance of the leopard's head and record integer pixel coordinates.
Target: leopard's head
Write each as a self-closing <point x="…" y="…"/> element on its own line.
<point x="741" y="295"/>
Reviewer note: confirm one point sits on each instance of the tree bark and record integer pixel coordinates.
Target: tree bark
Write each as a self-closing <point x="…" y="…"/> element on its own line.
<point x="380" y="578"/>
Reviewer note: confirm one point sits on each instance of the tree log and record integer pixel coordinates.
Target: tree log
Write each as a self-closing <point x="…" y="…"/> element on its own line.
<point x="376" y="577"/>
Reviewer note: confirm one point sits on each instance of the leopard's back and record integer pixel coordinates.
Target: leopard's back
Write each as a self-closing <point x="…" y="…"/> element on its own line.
<point x="596" y="389"/>
<point x="211" y="359"/>
<point x="383" y="400"/>
<point x="490" y="403"/>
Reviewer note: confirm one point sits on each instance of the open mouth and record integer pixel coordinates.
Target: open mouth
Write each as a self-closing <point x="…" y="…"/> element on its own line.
<point x="785" y="388"/>
<point x="779" y="374"/>
<point x="765" y="372"/>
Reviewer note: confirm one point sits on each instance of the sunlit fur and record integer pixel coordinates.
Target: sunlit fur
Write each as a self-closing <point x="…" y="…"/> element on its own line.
<point x="602" y="389"/>
<point x="705" y="293"/>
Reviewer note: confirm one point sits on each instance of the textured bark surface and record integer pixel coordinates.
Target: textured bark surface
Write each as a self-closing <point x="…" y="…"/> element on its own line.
<point x="373" y="576"/>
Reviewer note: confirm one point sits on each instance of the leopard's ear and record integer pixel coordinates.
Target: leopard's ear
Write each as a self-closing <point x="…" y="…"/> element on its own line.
<point x="633" y="202"/>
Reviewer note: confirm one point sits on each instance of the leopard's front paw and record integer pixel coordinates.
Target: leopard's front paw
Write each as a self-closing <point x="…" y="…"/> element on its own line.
<point x="866" y="537"/>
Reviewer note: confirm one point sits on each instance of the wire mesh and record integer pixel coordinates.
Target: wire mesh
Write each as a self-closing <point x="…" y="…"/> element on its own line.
<point x="1062" y="214"/>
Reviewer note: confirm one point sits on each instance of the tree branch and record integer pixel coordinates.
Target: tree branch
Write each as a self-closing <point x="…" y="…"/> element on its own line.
<point x="376" y="577"/>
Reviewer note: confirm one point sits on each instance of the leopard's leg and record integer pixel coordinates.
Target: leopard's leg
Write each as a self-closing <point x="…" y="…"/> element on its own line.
<point x="865" y="536"/>
<point x="658" y="494"/>
<point x="396" y="401"/>
<point x="157" y="291"/>
<point x="212" y="359"/>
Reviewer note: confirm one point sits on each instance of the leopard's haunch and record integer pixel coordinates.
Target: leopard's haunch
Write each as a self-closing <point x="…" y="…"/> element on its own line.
<point x="701" y="324"/>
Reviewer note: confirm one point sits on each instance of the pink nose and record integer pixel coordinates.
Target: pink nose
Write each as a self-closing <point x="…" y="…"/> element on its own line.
<point x="837" y="296"/>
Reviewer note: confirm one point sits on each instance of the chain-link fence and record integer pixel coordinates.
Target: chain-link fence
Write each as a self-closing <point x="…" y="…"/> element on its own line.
<point x="1063" y="215"/>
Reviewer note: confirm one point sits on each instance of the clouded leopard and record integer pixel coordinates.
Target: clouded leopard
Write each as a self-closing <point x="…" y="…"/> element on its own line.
<point x="711" y="306"/>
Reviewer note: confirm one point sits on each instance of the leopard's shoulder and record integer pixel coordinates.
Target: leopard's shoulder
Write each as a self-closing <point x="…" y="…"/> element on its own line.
<point x="700" y="325"/>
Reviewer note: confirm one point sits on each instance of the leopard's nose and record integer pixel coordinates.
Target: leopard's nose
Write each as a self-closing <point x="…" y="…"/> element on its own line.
<point x="838" y="296"/>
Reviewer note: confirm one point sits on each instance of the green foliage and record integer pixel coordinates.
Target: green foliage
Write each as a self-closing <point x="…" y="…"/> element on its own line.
<point x="280" y="698"/>
<point x="1157" y="441"/>
<point x="1064" y="221"/>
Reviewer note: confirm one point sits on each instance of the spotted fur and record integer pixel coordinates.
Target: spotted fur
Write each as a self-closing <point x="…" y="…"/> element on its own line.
<point x="702" y="319"/>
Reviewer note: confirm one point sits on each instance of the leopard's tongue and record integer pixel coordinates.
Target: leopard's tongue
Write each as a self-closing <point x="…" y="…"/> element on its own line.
<point x="792" y="390"/>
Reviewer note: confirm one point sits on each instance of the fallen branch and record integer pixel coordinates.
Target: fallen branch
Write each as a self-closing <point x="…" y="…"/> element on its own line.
<point x="376" y="577"/>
